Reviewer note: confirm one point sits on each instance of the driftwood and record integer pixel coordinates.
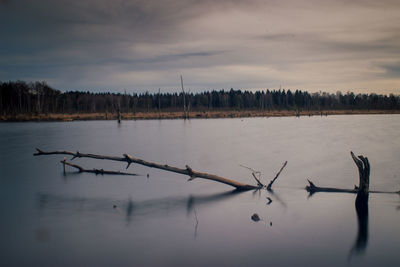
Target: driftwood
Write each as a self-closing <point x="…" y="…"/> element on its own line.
<point x="96" y="171"/>
<point x="269" y="186"/>
<point x="361" y="190"/>
<point x="130" y="159"/>
<point x="256" y="173"/>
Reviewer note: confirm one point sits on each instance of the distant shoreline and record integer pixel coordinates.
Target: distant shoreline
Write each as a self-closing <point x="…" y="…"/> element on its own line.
<point x="179" y="115"/>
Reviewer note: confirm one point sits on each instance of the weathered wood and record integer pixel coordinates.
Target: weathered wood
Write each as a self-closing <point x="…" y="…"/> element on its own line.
<point x="257" y="180"/>
<point x="96" y="171"/>
<point x="254" y="173"/>
<point x="312" y="188"/>
<point x="269" y="186"/>
<point x="130" y="159"/>
<point x="364" y="171"/>
<point x="362" y="190"/>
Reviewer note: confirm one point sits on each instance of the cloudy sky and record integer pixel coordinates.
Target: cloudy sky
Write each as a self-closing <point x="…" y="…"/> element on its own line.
<point x="138" y="45"/>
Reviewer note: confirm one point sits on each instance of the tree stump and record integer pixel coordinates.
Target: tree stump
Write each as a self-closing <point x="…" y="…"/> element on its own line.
<point x="364" y="171"/>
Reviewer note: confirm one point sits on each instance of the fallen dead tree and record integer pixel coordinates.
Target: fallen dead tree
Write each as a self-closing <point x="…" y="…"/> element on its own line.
<point x="361" y="190"/>
<point x="361" y="202"/>
<point x="95" y="171"/>
<point x="187" y="171"/>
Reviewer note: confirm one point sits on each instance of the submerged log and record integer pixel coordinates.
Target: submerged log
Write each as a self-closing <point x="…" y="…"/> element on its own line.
<point x="361" y="190"/>
<point x="95" y="171"/>
<point x="130" y="159"/>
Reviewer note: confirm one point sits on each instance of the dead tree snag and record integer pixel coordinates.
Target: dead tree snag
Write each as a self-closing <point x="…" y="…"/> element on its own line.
<point x="130" y="159"/>
<point x="362" y="189"/>
<point x="269" y="186"/>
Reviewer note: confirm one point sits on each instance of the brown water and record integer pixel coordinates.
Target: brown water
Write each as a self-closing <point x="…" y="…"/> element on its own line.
<point x="52" y="219"/>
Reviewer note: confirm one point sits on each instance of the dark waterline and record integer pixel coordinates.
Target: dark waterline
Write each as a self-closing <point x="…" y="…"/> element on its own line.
<point x="52" y="219"/>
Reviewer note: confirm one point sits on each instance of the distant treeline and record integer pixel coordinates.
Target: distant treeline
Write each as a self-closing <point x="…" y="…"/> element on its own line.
<point x="20" y="98"/>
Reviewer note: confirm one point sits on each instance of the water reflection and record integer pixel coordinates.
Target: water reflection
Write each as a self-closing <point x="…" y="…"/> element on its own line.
<point x="361" y="205"/>
<point x="193" y="200"/>
<point x="131" y="209"/>
<point x="361" y="242"/>
<point x="277" y="198"/>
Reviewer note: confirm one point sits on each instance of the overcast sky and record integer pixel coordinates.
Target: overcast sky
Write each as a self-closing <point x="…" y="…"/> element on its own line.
<point x="139" y="45"/>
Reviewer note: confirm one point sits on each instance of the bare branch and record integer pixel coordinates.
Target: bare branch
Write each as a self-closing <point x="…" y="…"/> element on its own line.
<point x="257" y="180"/>
<point x="254" y="173"/>
<point x="276" y="176"/>
<point x="96" y="171"/>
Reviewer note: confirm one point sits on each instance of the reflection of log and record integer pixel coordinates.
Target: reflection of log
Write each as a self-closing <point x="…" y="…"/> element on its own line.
<point x="96" y="171"/>
<point x="362" y="190"/>
<point x="130" y="159"/>
<point x="133" y="208"/>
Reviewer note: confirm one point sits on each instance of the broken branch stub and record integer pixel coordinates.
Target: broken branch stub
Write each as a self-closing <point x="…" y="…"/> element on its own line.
<point x="269" y="186"/>
<point x="364" y="171"/>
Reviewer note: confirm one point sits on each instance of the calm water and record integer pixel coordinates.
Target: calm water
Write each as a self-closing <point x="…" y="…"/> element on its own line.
<point x="52" y="219"/>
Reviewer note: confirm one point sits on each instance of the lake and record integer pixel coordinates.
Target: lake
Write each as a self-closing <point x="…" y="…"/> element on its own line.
<point x="49" y="218"/>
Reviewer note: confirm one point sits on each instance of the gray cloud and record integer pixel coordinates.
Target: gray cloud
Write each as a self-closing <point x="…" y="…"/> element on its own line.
<point x="142" y="44"/>
<point x="392" y="70"/>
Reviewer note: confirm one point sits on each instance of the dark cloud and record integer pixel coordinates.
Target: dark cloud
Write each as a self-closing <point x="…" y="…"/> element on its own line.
<point x="278" y="37"/>
<point x="392" y="70"/>
<point x="89" y="40"/>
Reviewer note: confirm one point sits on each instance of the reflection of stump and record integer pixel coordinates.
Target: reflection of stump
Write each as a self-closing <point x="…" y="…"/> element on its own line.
<point x="119" y="115"/>
<point x="362" y="218"/>
<point x="362" y="204"/>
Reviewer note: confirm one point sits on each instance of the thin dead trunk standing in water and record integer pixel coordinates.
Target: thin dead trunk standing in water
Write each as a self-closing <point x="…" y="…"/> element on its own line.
<point x="119" y="115"/>
<point x="185" y="115"/>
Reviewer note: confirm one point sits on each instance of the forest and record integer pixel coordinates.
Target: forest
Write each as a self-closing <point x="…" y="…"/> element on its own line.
<point x="20" y="97"/>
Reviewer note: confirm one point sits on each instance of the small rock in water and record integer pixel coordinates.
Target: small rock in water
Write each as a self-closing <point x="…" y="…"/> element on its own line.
<point x="114" y="206"/>
<point x="148" y="175"/>
<point x="270" y="223"/>
<point x="255" y="217"/>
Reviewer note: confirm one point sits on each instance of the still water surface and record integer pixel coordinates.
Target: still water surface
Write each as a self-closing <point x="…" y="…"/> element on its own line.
<point x="52" y="219"/>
